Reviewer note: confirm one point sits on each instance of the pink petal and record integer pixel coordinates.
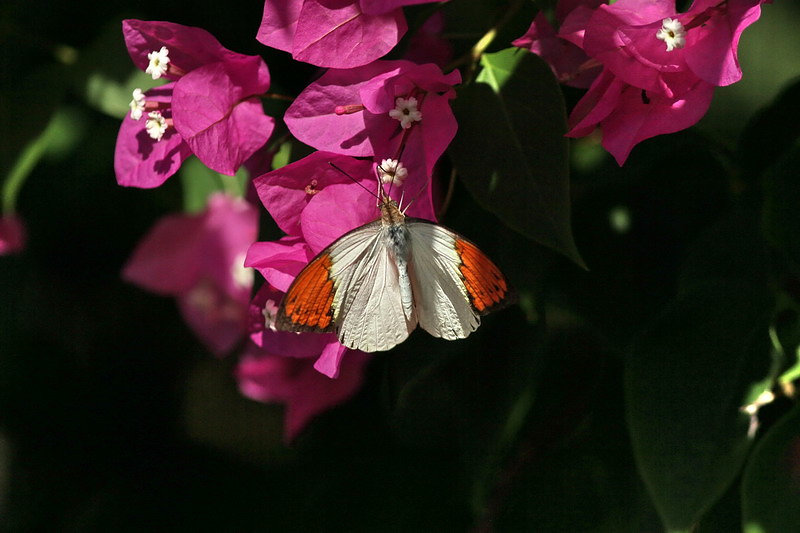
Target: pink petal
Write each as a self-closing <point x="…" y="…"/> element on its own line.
<point x="283" y="343"/>
<point x="634" y="120"/>
<point x="430" y="77"/>
<point x="279" y="23"/>
<point x="181" y="251"/>
<point x="312" y="119"/>
<point x="267" y="378"/>
<point x="711" y="50"/>
<point x="189" y="47"/>
<point x="217" y="319"/>
<point x="564" y="58"/>
<point x="140" y="161"/>
<point x="622" y="37"/>
<point x="435" y="134"/>
<point x="166" y="260"/>
<point x="428" y="45"/>
<point x="216" y="117"/>
<point x="12" y="234"/>
<point x="335" y="211"/>
<point x="336" y="34"/>
<point x="379" y="94"/>
<point x="230" y="227"/>
<point x="279" y="261"/>
<point x="539" y="30"/>
<point x="330" y="360"/>
<point x="573" y="27"/>
<point x="307" y="393"/>
<point x="286" y="192"/>
<point x="599" y="102"/>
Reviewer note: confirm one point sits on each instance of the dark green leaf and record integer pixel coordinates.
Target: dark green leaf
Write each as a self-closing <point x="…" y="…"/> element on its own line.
<point x="518" y="169"/>
<point x="771" y="483"/>
<point x="732" y="249"/>
<point x="771" y="132"/>
<point x="686" y="381"/>
<point x="781" y="215"/>
<point x="472" y="398"/>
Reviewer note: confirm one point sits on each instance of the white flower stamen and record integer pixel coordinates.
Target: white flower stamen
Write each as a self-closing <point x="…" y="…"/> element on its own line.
<point x="137" y="104"/>
<point x="159" y="60"/>
<point x="406" y="111"/>
<point x="156" y="125"/>
<point x="672" y="33"/>
<point x="392" y="171"/>
<point x="270" y="313"/>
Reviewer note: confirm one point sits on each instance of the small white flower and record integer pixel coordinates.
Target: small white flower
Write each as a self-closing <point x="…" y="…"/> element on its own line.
<point x="158" y="62"/>
<point x="406" y="111"/>
<point x="242" y="275"/>
<point x="392" y="171"/>
<point x="270" y="313"/>
<point x="156" y="125"/>
<point x="672" y="33"/>
<point x="137" y="104"/>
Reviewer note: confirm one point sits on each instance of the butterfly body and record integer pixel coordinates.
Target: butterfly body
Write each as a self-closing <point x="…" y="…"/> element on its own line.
<point x="376" y="283"/>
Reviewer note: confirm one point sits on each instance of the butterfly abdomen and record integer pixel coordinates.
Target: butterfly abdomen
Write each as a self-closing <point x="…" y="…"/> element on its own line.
<point x="397" y="235"/>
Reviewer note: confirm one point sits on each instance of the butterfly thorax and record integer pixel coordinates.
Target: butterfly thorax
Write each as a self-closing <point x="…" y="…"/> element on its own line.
<point x="391" y="214"/>
<point x="397" y="236"/>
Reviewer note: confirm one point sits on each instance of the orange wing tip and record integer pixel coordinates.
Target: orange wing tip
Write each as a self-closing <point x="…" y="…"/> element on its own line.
<point x="486" y="286"/>
<point x="308" y="304"/>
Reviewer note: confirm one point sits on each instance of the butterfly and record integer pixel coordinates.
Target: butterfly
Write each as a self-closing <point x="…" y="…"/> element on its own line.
<point x="376" y="283"/>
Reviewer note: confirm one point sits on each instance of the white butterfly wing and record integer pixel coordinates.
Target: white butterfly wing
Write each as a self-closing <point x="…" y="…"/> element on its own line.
<point x="454" y="282"/>
<point x="368" y="309"/>
<point x="441" y="298"/>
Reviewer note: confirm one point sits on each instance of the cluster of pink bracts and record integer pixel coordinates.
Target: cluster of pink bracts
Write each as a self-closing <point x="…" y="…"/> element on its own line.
<point x="648" y="70"/>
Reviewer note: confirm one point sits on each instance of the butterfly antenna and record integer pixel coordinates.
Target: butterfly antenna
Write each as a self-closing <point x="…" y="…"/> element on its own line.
<point x="414" y="198"/>
<point x="334" y="165"/>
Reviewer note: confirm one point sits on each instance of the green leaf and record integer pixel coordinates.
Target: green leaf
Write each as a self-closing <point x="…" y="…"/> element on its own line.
<point x="781" y="221"/>
<point x="771" y="482"/>
<point x="59" y="137"/>
<point x="199" y="182"/>
<point x="472" y="398"/>
<point x="686" y="380"/>
<point x="510" y="150"/>
<point x="770" y="132"/>
<point x="731" y="249"/>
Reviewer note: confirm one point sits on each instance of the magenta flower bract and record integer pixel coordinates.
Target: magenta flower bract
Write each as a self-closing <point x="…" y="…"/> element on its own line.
<point x="279" y="262"/>
<point x="712" y="53"/>
<point x="265" y="377"/>
<point x="12" y="234"/>
<point x="140" y="160"/>
<point x="212" y="109"/>
<point x="199" y="259"/>
<point x="628" y="115"/>
<point x="564" y="57"/>
<point x="334" y="33"/>
<point x="623" y="37"/>
<point x="428" y="45"/>
<point x="660" y="66"/>
<point x="354" y="112"/>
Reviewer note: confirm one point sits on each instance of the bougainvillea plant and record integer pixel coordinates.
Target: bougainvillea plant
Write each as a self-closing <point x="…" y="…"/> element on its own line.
<point x="514" y="123"/>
